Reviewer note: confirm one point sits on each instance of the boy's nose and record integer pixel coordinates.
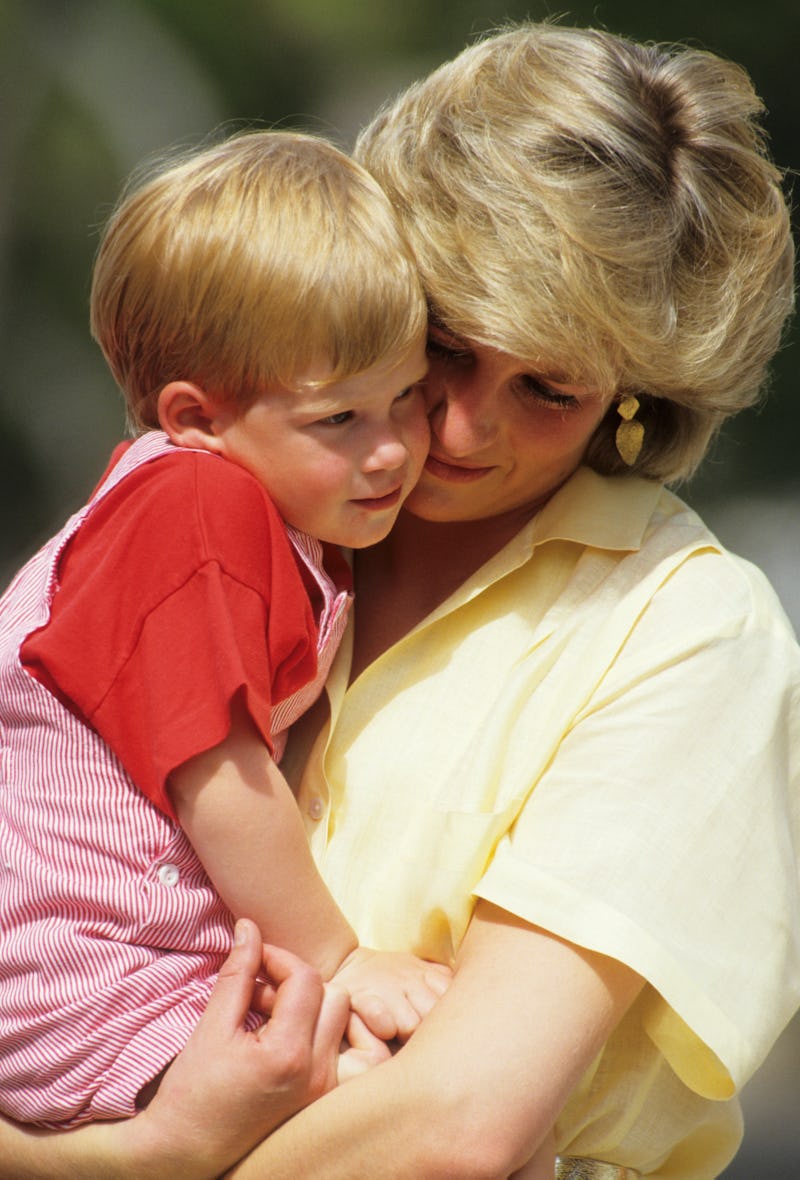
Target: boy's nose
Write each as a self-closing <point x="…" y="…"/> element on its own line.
<point x="388" y="452"/>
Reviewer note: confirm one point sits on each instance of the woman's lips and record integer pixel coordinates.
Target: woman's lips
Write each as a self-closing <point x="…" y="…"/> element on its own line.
<point x="454" y="472"/>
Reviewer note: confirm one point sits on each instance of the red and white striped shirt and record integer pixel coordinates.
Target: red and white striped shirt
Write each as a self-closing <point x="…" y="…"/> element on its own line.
<point x="112" y="933"/>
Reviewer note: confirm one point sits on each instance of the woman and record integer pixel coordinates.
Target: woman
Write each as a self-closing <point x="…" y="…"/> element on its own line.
<point x="545" y="755"/>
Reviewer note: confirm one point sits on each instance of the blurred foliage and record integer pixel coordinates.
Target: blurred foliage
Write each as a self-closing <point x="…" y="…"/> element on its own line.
<point x="90" y="87"/>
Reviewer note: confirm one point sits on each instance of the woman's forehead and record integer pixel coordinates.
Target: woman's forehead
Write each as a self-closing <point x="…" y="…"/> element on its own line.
<point x="542" y="363"/>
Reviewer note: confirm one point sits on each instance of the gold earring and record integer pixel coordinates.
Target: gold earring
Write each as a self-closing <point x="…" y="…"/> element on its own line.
<point x="630" y="434"/>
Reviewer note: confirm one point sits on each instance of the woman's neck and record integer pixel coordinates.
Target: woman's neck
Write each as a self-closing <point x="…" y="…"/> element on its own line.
<point x="419" y="565"/>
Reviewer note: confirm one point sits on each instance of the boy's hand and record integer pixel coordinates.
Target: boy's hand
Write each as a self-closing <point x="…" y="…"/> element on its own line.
<point x="391" y="991"/>
<point x="361" y="1050"/>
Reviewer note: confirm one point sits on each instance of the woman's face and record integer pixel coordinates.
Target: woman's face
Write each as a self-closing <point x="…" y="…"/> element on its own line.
<point x="503" y="436"/>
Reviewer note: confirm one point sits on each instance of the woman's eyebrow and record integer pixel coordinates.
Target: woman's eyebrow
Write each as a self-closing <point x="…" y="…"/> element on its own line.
<point x="436" y="322"/>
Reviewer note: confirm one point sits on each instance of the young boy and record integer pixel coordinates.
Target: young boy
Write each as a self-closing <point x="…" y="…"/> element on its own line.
<point x="263" y="317"/>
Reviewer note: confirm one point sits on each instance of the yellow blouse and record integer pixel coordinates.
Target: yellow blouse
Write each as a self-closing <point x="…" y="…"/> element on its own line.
<point x="598" y="732"/>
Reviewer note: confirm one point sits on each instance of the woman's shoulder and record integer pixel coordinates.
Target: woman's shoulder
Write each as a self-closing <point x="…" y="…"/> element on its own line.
<point x="709" y="581"/>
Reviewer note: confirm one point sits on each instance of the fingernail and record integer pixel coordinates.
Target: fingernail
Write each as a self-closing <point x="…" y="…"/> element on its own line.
<point x="239" y="934"/>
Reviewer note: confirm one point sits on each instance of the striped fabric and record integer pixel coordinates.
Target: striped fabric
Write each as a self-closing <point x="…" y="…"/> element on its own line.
<point x="112" y="933"/>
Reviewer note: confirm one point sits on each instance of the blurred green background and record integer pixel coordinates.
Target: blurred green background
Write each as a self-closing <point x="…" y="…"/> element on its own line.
<point x="90" y="87"/>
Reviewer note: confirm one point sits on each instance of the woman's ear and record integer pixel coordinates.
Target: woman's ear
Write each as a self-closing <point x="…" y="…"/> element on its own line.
<point x="188" y="416"/>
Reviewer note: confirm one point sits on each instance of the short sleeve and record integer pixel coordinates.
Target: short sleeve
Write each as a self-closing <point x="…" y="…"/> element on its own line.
<point x="179" y="591"/>
<point x="666" y="830"/>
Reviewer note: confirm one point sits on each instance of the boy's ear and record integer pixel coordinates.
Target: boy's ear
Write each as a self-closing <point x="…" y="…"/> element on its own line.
<point x="189" y="416"/>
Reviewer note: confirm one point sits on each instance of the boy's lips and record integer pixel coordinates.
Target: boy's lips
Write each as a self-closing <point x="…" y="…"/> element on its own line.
<point x="377" y="503"/>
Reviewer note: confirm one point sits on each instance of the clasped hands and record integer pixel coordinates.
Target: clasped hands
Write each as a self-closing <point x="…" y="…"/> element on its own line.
<point x="389" y="994"/>
<point x="232" y="1085"/>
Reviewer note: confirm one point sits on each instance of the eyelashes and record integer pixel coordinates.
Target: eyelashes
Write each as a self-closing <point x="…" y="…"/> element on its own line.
<point x="445" y="351"/>
<point x="532" y="387"/>
<point x="546" y="394"/>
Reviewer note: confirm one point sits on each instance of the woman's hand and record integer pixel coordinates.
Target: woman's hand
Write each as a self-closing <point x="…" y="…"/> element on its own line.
<point x="226" y="1090"/>
<point x="230" y="1087"/>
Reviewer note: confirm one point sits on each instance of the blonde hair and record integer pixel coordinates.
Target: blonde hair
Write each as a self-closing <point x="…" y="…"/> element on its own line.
<point x="603" y="209"/>
<point x="245" y="262"/>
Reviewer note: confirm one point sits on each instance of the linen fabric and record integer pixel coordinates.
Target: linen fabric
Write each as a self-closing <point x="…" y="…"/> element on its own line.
<point x="599" y="733"/>
<point x="112" y="933"/>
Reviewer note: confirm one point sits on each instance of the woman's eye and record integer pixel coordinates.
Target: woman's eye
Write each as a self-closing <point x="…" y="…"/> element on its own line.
<point x="535" y="387"/>
<point x="337" y="419"/>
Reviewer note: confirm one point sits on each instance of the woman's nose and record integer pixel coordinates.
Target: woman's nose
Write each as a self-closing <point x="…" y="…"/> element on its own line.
<point x="463" y="415"/>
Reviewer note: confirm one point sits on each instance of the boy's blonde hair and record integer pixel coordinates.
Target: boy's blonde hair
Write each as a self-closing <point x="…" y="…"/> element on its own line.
<point x="245" y="263"/>
<point x="602" y="209"/>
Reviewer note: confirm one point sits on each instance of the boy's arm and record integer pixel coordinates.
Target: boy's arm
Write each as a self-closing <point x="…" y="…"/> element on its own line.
<point x="242" y="819"/>
<point x="243" y="822"/>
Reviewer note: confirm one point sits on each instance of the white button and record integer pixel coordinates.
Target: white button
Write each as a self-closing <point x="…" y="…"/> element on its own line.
<point x="316" y="808"/>
<point x="169" y="875"/>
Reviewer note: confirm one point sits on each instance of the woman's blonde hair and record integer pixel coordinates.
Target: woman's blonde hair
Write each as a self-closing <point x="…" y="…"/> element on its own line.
<point x="243" y="263"/>
<point x="603" y="209"/>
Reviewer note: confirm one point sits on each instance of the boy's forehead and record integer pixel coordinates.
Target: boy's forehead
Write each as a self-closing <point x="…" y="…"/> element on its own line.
<point x="304" y="398"/>
<point x="314" y="391"/>
<point x="309" y="398"/>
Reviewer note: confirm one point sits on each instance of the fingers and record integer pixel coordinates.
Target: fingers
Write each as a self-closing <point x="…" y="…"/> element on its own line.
<point x="333" y="1019"/>
<point x="397" y="1010"/>
<point x="423" y="992"/>
<point x="307" y="1024"/>
<point x="362" y="1040"/>
<point x="438" y="978"/>
<point x="365" y="1051"/>
<point x="293" y="990"/>
<point x="298" y="993"/>
<point x="391" y="991"/>
<point x="386" y="1017"/>
<point x="263" y="1000"/>
<point x="231" y="996"/>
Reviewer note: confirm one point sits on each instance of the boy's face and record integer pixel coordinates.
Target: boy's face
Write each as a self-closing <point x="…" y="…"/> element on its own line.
<point x="338" y="461"/>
